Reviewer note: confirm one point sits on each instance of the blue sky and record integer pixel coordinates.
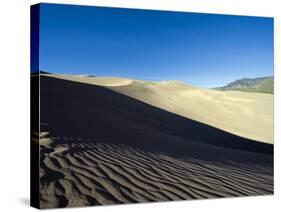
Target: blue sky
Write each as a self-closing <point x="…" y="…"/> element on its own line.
<point x="200" y="49"/>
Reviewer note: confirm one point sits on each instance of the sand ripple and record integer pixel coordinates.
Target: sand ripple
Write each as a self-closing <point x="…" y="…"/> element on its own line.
<point x="95" y="173"/>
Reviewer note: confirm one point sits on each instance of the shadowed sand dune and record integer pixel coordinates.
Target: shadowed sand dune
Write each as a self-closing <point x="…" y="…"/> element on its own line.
<point x="99" y="146"/>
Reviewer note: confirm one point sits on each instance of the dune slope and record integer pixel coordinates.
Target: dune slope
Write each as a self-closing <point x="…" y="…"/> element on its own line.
<point x="99" y="146"/>
<point x="249" y="115"/>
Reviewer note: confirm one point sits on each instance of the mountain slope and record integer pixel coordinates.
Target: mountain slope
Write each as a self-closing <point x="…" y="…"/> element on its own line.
<point x="258" y="85"/>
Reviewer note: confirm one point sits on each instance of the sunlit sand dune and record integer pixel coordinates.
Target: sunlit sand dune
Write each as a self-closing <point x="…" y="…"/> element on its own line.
<point x="249" y="115"/>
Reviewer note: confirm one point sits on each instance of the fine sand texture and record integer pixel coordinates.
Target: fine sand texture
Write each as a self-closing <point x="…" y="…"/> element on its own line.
<point x="101" y="144"/>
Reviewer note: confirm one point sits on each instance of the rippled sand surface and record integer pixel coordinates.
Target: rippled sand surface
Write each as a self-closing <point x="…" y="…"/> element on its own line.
<point x="91" y="173"/>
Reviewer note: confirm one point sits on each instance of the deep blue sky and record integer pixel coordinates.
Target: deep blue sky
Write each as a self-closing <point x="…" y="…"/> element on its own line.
<point x="200" y="49"/>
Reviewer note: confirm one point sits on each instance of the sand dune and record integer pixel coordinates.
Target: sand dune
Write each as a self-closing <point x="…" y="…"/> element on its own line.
<point x="245" y="114"/>
<point x="102" y="81"/>
<point x="249" y="115"/>
<point x="99" y="146"/>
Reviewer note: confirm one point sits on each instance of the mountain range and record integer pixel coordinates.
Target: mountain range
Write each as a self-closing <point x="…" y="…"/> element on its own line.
<point x="257" y="85"/>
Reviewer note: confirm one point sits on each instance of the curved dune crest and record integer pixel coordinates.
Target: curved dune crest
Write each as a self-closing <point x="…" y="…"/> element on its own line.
<point x="102" y="81"/>
<point x="248" y="115"/>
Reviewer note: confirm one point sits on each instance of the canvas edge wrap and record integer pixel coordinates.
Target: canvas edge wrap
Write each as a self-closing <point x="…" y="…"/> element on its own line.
<point x="34" y="108"/>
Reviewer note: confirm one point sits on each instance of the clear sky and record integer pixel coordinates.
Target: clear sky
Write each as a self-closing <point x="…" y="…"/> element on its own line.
<point x="200" y="49"/>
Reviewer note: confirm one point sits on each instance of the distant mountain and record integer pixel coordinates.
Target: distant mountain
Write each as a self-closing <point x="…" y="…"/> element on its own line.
<point x="257" y="85"/>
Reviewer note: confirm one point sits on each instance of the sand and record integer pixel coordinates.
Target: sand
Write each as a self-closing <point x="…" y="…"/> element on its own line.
<point x="102" y="144"/>
<point x="249" y="115"/>
<point x="102" y="81"/>
<point x="85" y="172"/>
